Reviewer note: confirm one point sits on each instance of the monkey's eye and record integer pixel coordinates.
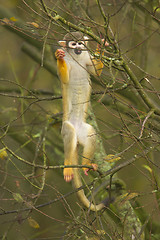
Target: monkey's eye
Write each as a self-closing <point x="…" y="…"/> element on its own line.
<point x="82" y="44"/>
<point x="72" y="44"/>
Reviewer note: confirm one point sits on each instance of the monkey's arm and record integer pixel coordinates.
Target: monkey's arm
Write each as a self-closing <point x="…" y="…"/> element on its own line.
<point x="96" y="65"/>
<point x="62" y="68"/>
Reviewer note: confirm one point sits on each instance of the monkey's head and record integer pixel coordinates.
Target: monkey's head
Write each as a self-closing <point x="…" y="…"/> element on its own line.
<point x="74" y="42"/>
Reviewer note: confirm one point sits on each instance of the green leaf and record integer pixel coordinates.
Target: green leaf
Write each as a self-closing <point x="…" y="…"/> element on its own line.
<point x="33" y="223"/>
<point x="18" y="197"/>
<point x="148" y="168"/>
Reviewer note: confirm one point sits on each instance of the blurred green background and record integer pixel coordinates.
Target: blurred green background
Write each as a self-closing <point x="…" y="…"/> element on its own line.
<point x="30" y="118"/>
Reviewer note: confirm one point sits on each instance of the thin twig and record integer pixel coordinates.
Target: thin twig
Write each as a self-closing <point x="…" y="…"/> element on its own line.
<point x="144" y="122"/>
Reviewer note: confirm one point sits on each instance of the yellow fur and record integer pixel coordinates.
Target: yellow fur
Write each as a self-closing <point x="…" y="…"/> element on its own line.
<point x="76" y="91"/>
<point x="62" y="70"/>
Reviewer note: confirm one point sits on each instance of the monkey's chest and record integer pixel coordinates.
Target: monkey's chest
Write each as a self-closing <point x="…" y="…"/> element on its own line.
<point x="79" y="93"/>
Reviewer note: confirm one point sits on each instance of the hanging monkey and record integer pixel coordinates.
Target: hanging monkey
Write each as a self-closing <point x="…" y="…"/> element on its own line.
<point x="74" y="65"/>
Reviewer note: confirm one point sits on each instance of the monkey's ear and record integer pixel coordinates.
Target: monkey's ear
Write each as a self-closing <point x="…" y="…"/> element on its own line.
<point x="85" y="39"/>
<point x="62" y="43"/>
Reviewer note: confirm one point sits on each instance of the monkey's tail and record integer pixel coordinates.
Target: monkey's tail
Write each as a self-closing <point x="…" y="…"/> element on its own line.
<point x="81" y="195"/>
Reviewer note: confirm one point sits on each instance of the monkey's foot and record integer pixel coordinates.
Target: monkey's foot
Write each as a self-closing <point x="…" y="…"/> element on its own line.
<point x="94" y="168"/>
<point x="68" y="174"/>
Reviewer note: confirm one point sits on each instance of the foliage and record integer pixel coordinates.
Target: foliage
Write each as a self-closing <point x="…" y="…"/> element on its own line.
<point x="36" y="203"/>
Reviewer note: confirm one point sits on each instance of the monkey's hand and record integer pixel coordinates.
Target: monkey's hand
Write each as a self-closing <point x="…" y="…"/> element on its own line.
<point x="94" y="168"/>
<point x="106" y="44"/>
<point x="59" y="54"/>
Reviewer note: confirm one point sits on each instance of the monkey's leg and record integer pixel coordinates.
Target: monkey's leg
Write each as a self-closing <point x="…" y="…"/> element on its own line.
<point x="70" y="147"/>
<point x="87" y="138"/>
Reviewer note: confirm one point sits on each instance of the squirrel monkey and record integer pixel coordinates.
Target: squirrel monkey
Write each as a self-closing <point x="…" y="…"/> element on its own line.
<point x="74" y="65"/>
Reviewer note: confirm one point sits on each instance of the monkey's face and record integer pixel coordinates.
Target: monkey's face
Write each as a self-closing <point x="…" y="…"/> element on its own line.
<point x="77" y="47"/>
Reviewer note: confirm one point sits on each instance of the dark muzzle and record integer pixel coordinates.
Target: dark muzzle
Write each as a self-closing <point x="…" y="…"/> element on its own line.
<point x="77" y="51"/>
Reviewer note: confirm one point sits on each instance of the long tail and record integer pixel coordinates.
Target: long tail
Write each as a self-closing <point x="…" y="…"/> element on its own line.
<point x="81" y="195"/>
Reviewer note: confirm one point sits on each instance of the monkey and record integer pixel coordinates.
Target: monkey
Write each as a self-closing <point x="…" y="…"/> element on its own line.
<point x="74" y="66"/>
